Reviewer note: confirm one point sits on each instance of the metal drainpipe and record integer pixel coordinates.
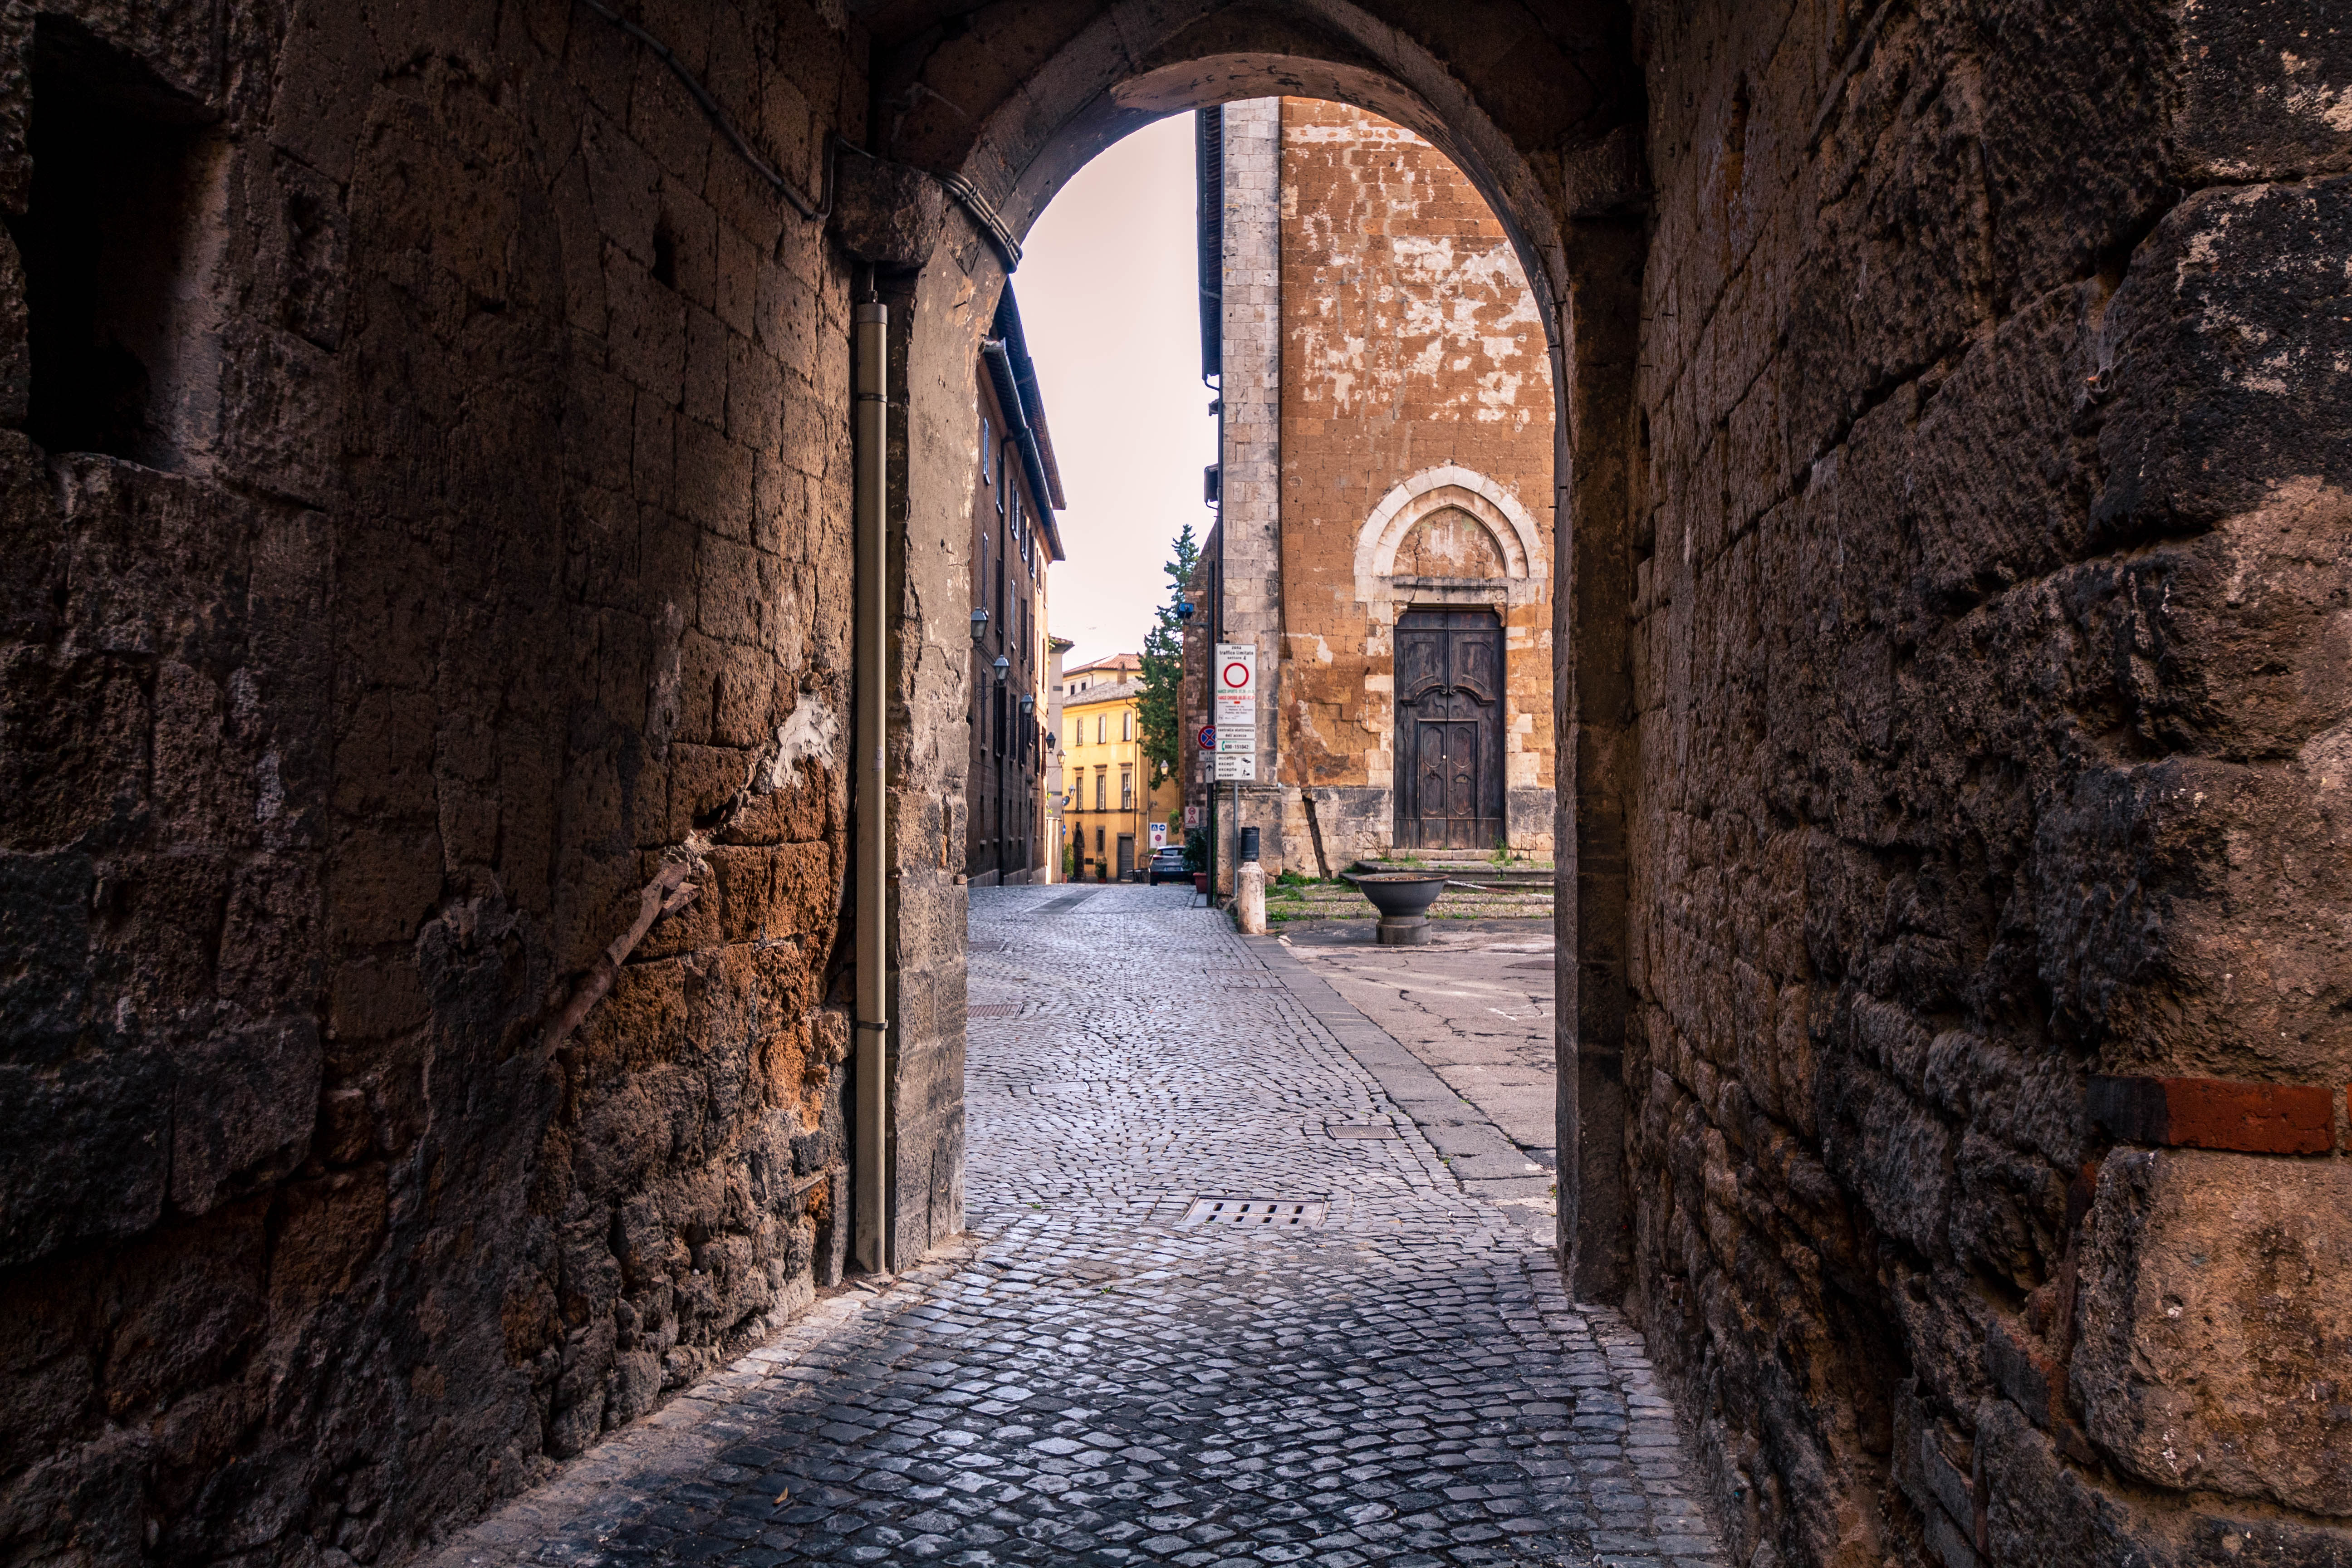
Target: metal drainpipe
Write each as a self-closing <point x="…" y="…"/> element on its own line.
<point x="870" y="1185"/>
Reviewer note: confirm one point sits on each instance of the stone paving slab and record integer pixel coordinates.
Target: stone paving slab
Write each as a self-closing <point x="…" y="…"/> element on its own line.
<point x="1101" y="1378"/>
<point x="1476" y="1006"/>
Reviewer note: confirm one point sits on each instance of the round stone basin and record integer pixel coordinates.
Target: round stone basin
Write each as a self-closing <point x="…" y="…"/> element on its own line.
<point x="1401" y="895"/>
<point x="1403" y="899"/>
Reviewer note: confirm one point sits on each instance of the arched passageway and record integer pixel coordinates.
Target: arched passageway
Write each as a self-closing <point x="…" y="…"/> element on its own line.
<point x="429" y="495"/>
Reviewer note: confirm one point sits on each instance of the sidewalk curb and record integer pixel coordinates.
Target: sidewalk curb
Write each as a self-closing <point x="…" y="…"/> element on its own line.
<point x="1453" y="1125"/>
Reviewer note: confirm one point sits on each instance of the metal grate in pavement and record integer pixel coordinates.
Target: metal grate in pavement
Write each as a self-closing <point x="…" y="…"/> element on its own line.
<point x="987" y="945"/>
<point x="1305" y="1212"/>
<point x="1065" y="903"/>
<point x="1332" y="1129"/>
<point x="993" y="1010"/>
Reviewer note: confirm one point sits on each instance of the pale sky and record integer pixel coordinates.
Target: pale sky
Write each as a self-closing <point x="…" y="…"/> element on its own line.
<point x="1109" y="301"/>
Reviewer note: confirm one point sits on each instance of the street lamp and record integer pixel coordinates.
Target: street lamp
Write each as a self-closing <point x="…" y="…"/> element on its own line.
<point x="979" y="624"/>
<point x="1028" y="704"/>
<point x="1003" y="667"/>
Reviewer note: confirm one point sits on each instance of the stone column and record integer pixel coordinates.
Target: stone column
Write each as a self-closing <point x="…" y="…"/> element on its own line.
<point x="1251" y="459"/>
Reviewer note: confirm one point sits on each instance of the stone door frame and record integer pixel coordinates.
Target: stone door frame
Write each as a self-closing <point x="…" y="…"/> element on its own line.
<point x="1519" y="543"/>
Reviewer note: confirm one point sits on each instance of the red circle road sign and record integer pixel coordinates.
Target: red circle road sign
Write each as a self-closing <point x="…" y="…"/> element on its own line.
<point x="1235" y="674"/>
<point x="1208" y="737"/>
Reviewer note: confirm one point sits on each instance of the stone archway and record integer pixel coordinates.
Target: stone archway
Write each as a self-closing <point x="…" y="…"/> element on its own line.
<point x="1499" y="562"/>
<point x="1522" y="551"/>
<point x="1002" y="163"/>
<point x="425" y="858"/>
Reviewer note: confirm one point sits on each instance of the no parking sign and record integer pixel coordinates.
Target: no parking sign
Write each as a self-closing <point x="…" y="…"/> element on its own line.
<point x="1234" y="682"/>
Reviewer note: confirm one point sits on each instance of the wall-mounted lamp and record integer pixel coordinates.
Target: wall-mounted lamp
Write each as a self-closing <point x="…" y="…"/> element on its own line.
<point x="1003" y="667"/>
<point x="979" y="624"/>
<point x="1028" y="705"/>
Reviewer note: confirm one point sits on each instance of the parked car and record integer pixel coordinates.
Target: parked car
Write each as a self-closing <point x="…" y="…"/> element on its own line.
<point x="1167" y="865"/>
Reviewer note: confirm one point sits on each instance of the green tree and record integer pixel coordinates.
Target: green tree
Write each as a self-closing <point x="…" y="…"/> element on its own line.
<point x="1160" y="721"/>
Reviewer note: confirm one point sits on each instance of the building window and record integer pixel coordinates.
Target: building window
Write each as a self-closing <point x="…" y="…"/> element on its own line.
<point x="1100" y="720"/>
<point x="1098" y="840"/>
<point x="1077" y="732"/>
<point x="1102" y="788"/>
<point x="1127" y="789"/>
<point x="987" y="451"/>
<point x="1125" y="725"/>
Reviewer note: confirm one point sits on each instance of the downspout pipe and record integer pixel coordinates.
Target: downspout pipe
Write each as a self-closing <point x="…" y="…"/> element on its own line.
<point x="870" y="856"/>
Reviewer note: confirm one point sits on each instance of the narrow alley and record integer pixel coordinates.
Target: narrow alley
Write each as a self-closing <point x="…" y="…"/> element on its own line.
<point x="1222" y="1301"/>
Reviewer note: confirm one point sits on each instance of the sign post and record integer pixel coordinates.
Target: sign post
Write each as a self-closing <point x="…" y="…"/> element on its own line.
<point x="1233" y="679"/>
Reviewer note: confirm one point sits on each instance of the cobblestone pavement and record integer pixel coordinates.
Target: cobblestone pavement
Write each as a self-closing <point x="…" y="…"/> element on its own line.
<point x="1476" y="1006"/>
<point x="1224" y="1305"/>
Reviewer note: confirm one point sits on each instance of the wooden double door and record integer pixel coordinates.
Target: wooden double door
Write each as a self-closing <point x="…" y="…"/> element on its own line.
<point x="1449" y="715"/>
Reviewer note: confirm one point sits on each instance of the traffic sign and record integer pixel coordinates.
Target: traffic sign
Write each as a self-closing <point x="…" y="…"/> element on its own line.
<point x="1208" y="737"/>
<point x="1236" y="702"/>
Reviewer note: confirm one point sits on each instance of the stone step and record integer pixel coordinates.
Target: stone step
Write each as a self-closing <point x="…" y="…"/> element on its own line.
<point x="1483" y="871"/>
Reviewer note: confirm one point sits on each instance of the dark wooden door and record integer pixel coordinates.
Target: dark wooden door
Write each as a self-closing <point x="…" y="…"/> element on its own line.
<point x="1449" y="698"/>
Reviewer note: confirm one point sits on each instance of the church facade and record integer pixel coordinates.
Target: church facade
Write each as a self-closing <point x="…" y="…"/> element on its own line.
<point x="1384" y="496"/>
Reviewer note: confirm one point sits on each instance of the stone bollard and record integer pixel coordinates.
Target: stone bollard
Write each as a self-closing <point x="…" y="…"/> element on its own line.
<point x="1249" y="898"/>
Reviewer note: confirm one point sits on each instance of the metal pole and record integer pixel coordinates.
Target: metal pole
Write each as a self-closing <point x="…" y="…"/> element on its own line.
<point x="869" y="1178"/>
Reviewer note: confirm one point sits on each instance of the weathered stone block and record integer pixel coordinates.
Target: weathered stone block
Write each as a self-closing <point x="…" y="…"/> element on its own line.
<point x="87" y="1151"/>
<point x="2231" y="358"/>
<point x="184" y="1304"/>
<point x="243" y="1107"/>
<point x="44" y="903"/>
<point x="2264" y="85"/>
<point x="885" y="214"/>
<point x="2216" y="1341"/>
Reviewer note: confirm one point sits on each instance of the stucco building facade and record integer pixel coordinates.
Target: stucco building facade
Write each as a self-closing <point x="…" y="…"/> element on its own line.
<point x="1384" y="491"/>
<point x="1017" y="489"/>
<point x="1111" y="800"/>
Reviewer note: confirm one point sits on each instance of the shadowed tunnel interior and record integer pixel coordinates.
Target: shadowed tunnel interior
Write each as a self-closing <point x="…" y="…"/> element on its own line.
<point x="428" y="692"/>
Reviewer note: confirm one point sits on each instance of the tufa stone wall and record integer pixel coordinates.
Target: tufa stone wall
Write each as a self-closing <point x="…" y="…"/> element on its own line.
<point x="1414" y="374"/>
<point x="1987" y="852"/>
<point x="413" y="525"/>
<point x="425" y="441"/>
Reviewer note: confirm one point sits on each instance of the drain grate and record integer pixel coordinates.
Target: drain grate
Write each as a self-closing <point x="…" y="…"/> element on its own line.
<point x="987" y="945"/>
<point x="1382" y="1130"/>
<point x="1065" y="903"/>
<point x="1258" y="1213"/>
<point x="993" y="1010"/>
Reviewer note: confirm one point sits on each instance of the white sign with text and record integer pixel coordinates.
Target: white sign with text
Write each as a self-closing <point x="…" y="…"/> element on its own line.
<point x="1233" y="682"/>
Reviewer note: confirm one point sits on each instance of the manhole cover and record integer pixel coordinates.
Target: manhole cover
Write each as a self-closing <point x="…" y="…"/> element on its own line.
<point x="1381" y="1131"/>
<point x="993" y="1010"/>
<point x="1308" y="1213"/>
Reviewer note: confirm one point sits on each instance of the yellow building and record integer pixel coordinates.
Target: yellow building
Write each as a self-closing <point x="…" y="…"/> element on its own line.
<point x="1108" y="804"/>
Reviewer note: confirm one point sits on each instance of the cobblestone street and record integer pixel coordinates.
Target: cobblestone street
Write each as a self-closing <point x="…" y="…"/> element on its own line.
<point x="1223" y="1303"/>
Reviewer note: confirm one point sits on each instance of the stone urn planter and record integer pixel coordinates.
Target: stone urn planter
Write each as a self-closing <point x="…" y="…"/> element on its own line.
<point x="1403" y="899"/>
